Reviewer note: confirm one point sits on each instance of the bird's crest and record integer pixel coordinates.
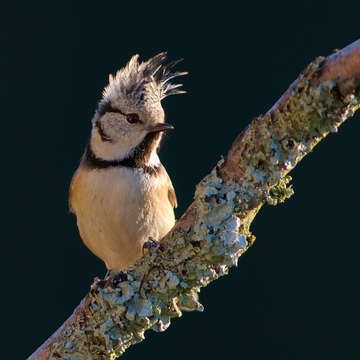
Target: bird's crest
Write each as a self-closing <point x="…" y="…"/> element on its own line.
<point x="144" y="82"/>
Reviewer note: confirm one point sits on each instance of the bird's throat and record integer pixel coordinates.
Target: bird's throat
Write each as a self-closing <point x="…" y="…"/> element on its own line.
<point x="138" y="158"/>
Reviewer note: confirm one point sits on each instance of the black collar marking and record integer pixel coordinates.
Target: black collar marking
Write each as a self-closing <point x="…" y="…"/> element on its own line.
<point x="137" y="160"/>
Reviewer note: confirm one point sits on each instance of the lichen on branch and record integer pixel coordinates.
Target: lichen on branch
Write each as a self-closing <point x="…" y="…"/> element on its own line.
<point x="215" y="230"/>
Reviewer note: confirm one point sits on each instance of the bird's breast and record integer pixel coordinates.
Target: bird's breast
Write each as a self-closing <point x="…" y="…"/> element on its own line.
<point x="118" y="209"/>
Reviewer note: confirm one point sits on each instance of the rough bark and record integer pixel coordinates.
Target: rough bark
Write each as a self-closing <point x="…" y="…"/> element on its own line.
<point x="215" y="229"/>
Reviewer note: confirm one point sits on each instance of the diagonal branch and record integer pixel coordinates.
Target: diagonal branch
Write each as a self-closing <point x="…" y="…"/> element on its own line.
<point x="215" y="230"/>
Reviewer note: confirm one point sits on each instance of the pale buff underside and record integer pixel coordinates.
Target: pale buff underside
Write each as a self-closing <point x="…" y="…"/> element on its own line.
<point x="118" y="209"/>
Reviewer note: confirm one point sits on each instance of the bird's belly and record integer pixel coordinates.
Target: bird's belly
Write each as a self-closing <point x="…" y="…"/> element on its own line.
<point x="117" y="213"/>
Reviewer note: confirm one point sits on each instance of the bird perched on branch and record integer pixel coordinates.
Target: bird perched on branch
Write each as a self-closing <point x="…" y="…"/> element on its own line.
<point x="121" y="193"/>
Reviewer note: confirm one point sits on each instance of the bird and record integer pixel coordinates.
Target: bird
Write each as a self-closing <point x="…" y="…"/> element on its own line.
<point x="121" y="194"/>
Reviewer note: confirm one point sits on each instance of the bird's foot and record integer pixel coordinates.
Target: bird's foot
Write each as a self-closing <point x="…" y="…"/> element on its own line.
<point x="149" y="244"/>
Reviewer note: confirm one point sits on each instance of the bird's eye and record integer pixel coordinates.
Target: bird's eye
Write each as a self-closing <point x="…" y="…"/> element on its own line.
<point x="132" y="118"/>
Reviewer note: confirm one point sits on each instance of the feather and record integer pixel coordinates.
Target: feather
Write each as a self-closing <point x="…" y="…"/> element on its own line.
<point x="144" y="81"/>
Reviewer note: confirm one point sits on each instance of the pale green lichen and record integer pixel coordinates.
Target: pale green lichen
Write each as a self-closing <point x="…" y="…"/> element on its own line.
<point x="280" y="192"/>
<point x="168" y="279"/>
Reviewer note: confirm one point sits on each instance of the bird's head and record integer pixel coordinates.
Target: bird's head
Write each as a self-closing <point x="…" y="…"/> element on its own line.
<point x="130" y="113"/>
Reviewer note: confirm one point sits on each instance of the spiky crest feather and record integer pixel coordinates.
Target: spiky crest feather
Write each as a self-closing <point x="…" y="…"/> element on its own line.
<point x="144" y="81"/>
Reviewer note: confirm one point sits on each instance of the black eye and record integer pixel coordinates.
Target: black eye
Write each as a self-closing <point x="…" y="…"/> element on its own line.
<point x="132" y="118"/>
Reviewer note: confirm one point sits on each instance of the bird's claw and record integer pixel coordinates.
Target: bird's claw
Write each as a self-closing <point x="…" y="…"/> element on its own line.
<point x="149" y="244"/>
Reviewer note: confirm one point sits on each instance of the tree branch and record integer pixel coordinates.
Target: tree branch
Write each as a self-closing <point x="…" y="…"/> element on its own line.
<point x="215" y="230"/>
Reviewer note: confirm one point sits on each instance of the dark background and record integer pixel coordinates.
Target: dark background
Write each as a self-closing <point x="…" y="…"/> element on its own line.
<point x="295" y="294"/>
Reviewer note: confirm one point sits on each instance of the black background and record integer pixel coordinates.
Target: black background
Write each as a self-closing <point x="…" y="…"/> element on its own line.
<point x="295" y="294"/>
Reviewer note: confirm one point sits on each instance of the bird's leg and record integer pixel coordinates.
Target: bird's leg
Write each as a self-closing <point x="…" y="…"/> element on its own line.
<point x="149" y="244"/>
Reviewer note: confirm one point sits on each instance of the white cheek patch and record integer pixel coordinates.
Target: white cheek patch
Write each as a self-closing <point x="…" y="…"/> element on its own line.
<point x="114" y="126"/>
<point x="123" y="141"/>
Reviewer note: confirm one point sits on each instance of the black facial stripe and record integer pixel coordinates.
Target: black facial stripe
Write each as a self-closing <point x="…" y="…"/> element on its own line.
<point x="107" y="108"/>
<point x="137" y="160"/>
<point x="101" y="132"/>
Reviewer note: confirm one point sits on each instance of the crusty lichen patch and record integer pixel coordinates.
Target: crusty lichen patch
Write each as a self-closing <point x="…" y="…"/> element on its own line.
<point x="280" y="192"/>
<point x="167" y="280"/>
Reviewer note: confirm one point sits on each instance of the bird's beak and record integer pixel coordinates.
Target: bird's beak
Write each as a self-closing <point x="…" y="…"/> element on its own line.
<point x="161" y="127"/>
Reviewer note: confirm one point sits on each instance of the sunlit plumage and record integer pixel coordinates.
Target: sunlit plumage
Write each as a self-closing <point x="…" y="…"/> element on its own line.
<point x="121" y="194"/>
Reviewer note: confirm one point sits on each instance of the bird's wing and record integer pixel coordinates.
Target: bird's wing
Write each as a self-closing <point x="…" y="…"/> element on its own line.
<point x="172" y="196"/>
<point x="171" y="191"/>
<point x="73" y="185"/>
